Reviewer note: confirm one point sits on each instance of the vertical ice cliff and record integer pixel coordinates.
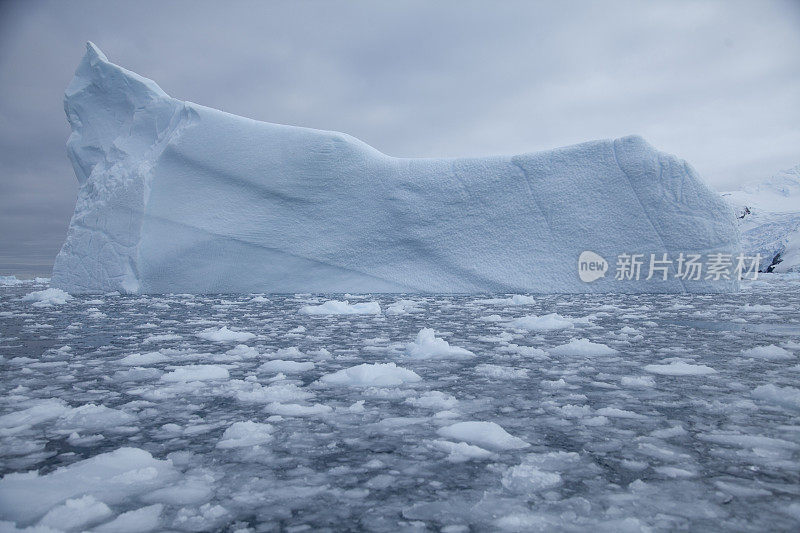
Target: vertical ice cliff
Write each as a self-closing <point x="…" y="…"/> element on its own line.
<point x="120" y="123"/>
<point x="177" y="197"/>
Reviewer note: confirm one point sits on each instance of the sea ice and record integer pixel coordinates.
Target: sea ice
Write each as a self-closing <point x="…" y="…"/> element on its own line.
<point x="139" y="520"/>
<point x="769" y="352"/>
<point x="111" y="477"/>
<point x="483" y="434"/>
<point x="336" y="307"/>
<point x="788" y="397"/>
<point x="243" y="434"/>
<point x="289" y="367"/>
<point x="541" y="323"/>
<point x="224" y="334"/>
<point x="459" y="452"/>
<point x="582" y="347"/>
<point x="372" y="375"/>
<point x="139" y="359"/>
<point x="47" y="297"/>
<point x="680" y="368"/>
<point x="196" y="373"/>
<point x="428" y="346"/>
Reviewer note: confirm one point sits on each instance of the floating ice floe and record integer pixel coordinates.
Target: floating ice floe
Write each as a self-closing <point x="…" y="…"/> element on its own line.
<point x="288" y="367"/>
<point x="113" y="477"/>
<point x="582" y="347"/>
<point x="41" y="411"/>
<point x="433" y="400"/>
<point x="402" y="307"/>
<point x="459" y="452"/>
<point x="296" y="409"/>
<point x="788" y="397"/>
<point x="517" y="299"/>
<point x="679" y="368"/>
<point x="139" y="520"/>
<point x="47" y="297"/>
<point x="483" y="434"/>
<point x="542" y="323"/>
<point x="76" y="514"/>
<point x="372" y="375"/>
<point x="196" y="373"/>
<point x="336" y="307"/>
<point x="245" y="434"/>
<point x="501" y="372"/>
<point x="224" y="334"/>
<point x="140" y="359"/>
<point x="769" y="352"/>
<point x="428" y="346"/>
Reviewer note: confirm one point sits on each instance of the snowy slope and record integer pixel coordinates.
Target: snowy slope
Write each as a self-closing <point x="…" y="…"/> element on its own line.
<point x="769" y="213"/>
<point x="177" y="197"/>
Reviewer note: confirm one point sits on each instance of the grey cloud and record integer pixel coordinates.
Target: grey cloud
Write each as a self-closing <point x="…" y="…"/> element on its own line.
<point x="717" y="83"/>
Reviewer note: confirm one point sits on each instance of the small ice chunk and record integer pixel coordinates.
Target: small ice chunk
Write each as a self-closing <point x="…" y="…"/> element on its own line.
<point x="582" y="347"/>
<point x="357" y="407"/>
<point x="93" y="417"/>
<point x="501" y="372"/>
<point x="516" y="299"/>
<point x="162" y="337"/>
<point x="117" y="476"/>
<point x="196" y="373"/>
<point x="679" y="368"/>
<point x="639" y="382"/>
<point x="483" y="434"/>
<point x="459" y="452"/>
<point x="336" y="307"/>
<point x="76" y="514"/>
<point x="758" y="308"/>
<point x="402" y="307"/>
<point x="528" y="479"/>
<point x="428" y="346"/>
<point x="289" y="367"/>
<point x="614" y="412"/>
<point x="47" y="297"/>
<point x="292" y="352"/>
<point x="138" y="521"/>
<point x="140" y="359"/>
<point x="295" y="409"/>
<point x="244" y="434"/>
<point x="770" y="352"/>
<point x="372" y="375"/>
<point x="242" y="351"/>
<point x="547" y="322"/>
<point x="245" y="391"/>
<point x="224" y="334"/>
<point x="433" y="400"/>
<point x="788" y="397"/>
<point x="41" y="412"/>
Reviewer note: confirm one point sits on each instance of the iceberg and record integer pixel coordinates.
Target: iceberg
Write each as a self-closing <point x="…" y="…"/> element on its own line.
<point x="178" y="197"/>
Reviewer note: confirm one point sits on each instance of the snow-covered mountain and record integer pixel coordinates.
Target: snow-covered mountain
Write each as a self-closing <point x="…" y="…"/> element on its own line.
<point x="177" y="197"/>
<point x="769" y="213"/>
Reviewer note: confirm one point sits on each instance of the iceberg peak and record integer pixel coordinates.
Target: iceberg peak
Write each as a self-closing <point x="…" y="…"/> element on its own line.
<point x="94" y="53"/>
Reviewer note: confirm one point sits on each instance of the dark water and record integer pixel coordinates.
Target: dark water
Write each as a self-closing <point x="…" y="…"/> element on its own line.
<point x="610" y="442"/>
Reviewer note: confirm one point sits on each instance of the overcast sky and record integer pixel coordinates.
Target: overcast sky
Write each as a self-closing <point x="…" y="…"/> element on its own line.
<point x="716" y="83"/>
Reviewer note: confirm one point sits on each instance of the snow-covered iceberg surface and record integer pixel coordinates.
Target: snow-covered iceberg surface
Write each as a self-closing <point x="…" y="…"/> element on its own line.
<point x="177" y="197"/>
<point x="769" y="215"/>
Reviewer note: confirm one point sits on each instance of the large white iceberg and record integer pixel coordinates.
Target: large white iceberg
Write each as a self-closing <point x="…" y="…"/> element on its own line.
<point x="177" y="197"/>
